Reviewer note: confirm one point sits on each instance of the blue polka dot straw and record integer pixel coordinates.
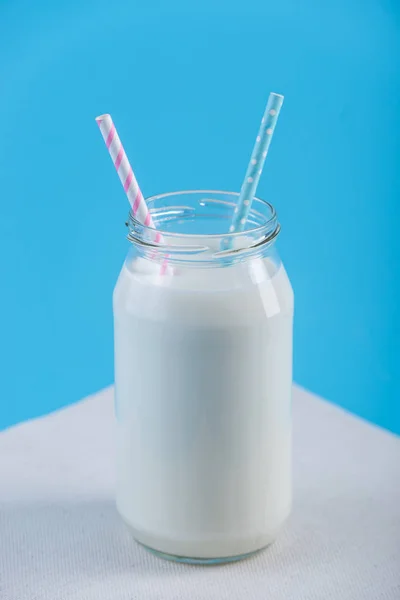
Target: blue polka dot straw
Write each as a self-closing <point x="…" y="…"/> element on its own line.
<point x="256" y="163"/>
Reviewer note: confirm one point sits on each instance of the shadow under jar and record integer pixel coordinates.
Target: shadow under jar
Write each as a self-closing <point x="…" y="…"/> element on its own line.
<point x="203" y="373"/>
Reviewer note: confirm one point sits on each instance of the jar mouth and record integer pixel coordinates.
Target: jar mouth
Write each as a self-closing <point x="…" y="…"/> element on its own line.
<point x="264" y="220"/>
<point x="193" y="225"/>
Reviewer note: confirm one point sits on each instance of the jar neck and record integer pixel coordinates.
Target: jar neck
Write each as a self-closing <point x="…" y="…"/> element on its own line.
<point x="192" y="229"/>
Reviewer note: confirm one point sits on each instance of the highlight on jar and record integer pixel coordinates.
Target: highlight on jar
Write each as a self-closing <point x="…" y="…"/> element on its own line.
<point x="203" y="320"/>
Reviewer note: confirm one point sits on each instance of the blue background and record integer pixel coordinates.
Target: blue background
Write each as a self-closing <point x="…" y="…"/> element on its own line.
<point x="186" y="83"/>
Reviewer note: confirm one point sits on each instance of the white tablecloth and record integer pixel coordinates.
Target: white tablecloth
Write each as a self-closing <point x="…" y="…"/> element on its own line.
<point x="61" y="539"/>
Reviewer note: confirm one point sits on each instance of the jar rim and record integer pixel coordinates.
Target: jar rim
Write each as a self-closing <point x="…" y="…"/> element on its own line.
<point x="228" y="235"/>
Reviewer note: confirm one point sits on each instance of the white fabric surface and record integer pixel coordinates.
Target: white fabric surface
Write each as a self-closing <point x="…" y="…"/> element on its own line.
<point x="61" y="539"/>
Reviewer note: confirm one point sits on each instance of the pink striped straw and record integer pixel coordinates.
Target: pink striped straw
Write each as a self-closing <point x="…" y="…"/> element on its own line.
<point x="126" y="175"/>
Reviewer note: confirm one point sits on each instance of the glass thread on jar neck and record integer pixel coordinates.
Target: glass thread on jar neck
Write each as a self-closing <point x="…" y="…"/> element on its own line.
<point x="194" y="225"/>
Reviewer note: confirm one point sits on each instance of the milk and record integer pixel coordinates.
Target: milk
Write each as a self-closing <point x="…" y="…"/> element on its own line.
<point x="203" y="370"/>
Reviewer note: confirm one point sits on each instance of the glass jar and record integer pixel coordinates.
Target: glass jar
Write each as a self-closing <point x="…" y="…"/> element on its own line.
<point x="203" y="373"/>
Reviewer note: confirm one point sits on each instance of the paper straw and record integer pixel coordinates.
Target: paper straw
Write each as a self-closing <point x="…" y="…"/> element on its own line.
<point x="126" y="175"/>
<point x="124" y="170"/>
<point x="256" y="163"/>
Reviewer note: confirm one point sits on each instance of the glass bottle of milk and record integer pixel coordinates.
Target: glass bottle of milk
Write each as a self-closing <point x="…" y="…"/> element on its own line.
<point x="203" y="373"/>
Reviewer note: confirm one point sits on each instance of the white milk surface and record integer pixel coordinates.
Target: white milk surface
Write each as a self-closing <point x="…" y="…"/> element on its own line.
<point x="203" y="369"/>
